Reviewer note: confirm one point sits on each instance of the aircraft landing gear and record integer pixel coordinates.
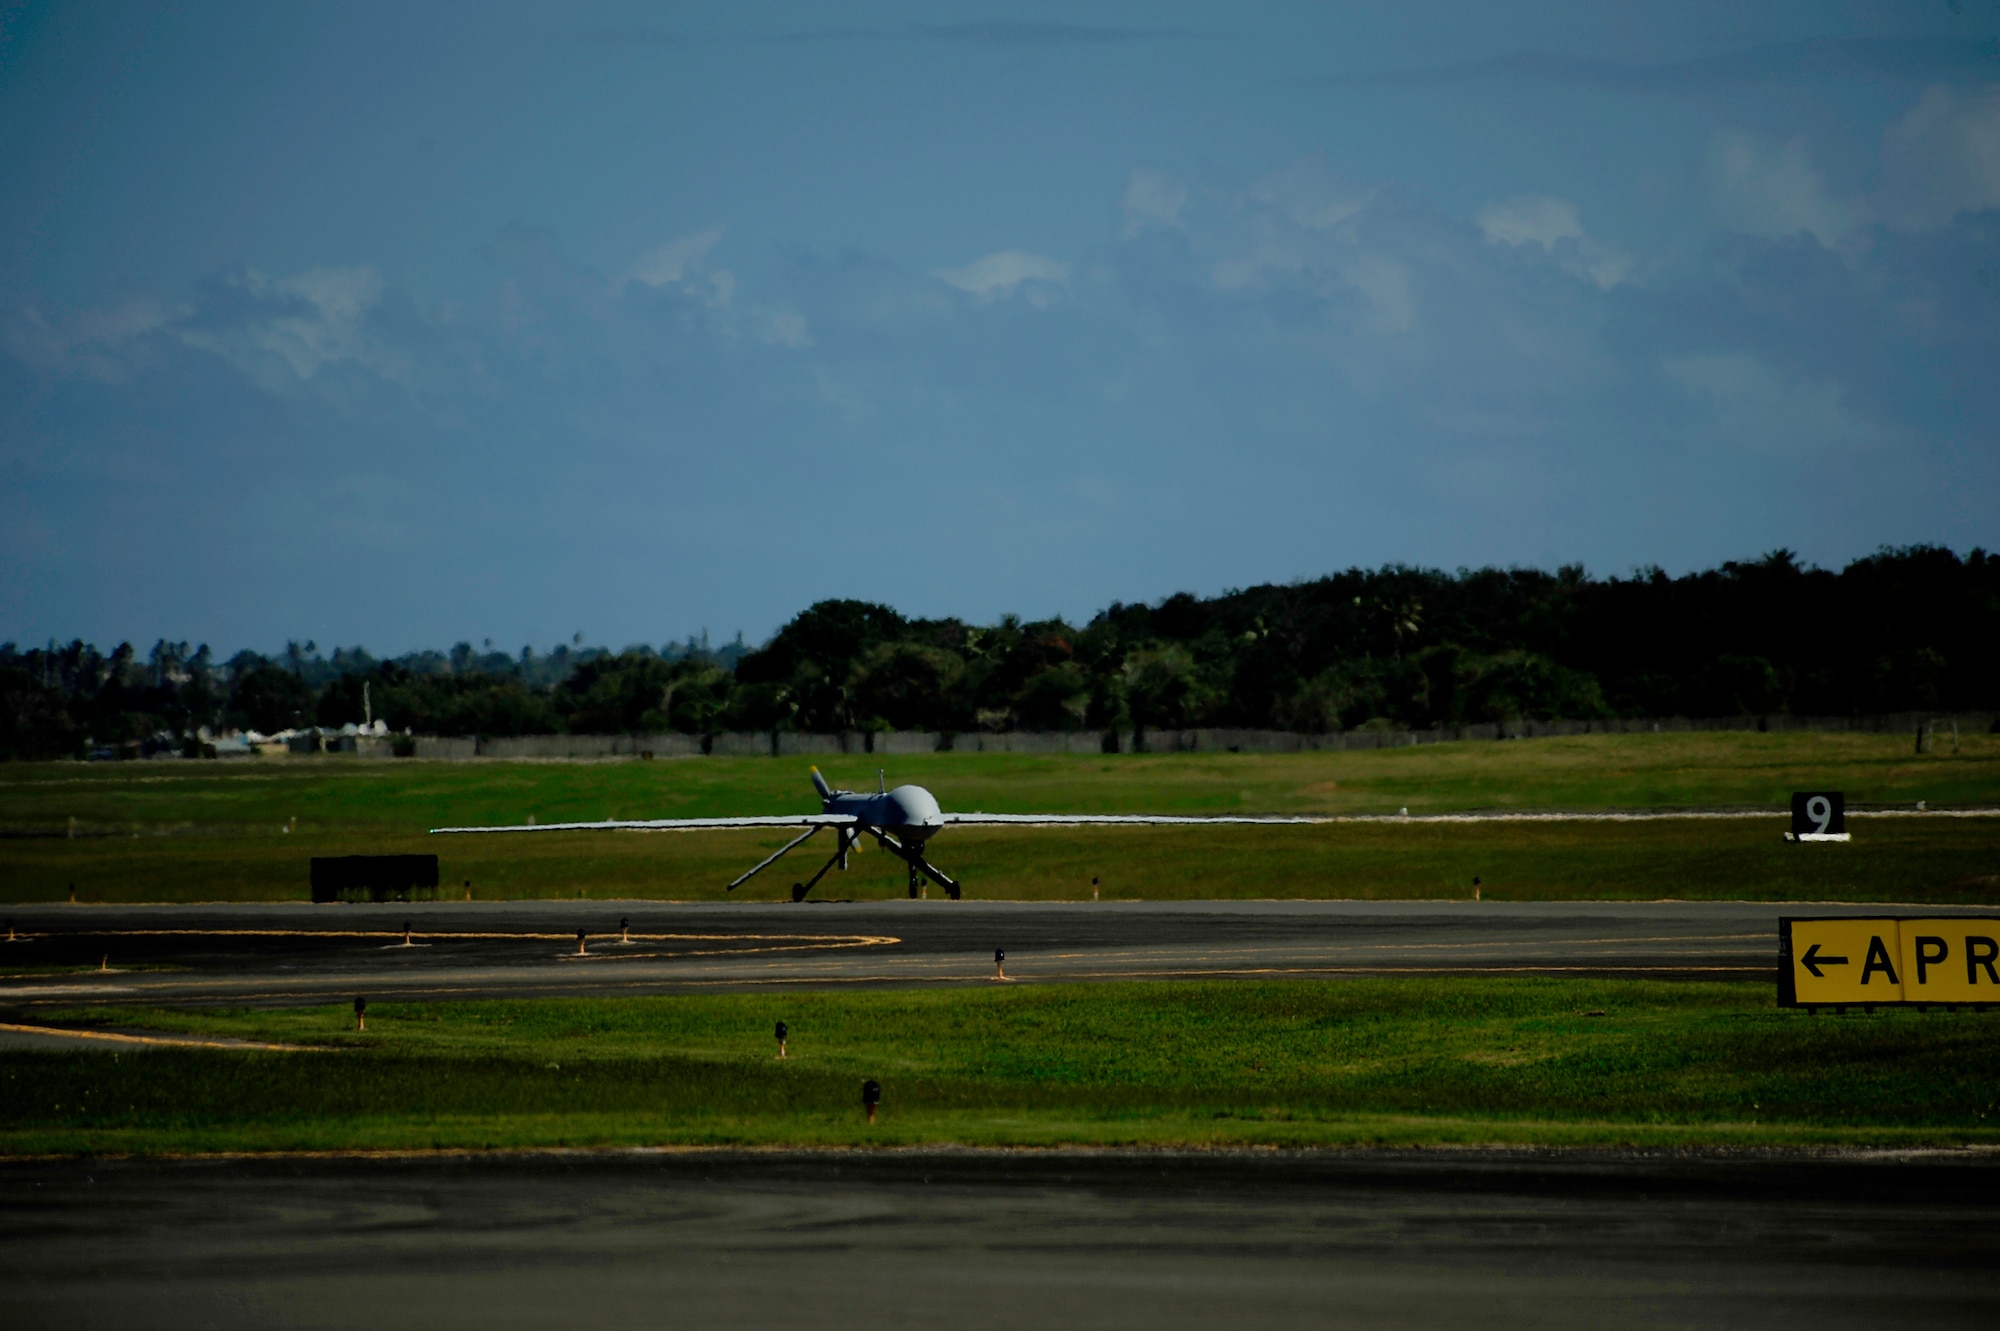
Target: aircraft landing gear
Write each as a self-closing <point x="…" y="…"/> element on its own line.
<point x="910" y="853"/>
<point x="847" y="839"/>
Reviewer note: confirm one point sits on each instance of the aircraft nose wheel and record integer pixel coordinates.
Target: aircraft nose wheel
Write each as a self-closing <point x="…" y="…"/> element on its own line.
<point x="922" y="869"/>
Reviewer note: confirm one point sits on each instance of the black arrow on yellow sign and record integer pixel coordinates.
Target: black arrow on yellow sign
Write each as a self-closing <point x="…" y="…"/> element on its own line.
<point x="1812" y="961"/>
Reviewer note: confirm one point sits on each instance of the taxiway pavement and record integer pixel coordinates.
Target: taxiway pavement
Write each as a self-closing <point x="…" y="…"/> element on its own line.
<point x="1147" y="1240"/>
<point x="282" y="954"/>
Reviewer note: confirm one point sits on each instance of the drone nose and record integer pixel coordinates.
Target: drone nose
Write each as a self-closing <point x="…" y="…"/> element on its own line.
<point x="915" y="808"/>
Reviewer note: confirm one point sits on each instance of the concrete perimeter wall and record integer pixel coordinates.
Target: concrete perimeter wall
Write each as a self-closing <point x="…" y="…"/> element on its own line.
<point x="562" y="746"/>
<point x="783" y="744"/>
<point x="1279" y="741"/>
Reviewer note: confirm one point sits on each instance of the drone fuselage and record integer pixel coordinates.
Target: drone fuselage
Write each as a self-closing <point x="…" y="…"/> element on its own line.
<point x="910" y="813"/>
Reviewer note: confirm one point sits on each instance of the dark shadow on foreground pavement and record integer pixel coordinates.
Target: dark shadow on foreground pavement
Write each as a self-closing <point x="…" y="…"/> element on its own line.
<point x="1013" y="1239"/>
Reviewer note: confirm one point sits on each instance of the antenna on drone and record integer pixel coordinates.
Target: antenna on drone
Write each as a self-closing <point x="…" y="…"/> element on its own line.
<point x="881" y="782"/>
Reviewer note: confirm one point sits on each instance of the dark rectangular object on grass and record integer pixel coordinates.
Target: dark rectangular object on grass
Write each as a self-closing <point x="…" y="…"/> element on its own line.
<point x="373" y="877"/>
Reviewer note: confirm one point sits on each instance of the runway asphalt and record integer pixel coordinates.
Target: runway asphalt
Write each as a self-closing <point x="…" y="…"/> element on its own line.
<point x="281" y="954"/>
<point x="1103" y="1239"/>
<point x="1004" y="1239"/>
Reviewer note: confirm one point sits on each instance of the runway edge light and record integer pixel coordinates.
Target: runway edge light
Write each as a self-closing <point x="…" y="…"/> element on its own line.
<point x="1901" y="960"/>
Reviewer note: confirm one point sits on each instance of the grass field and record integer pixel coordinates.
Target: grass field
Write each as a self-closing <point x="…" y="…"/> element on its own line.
<point x="207" y="831"/>
<point x="1903" y="860"/>
<point x="1432" y="1061"/>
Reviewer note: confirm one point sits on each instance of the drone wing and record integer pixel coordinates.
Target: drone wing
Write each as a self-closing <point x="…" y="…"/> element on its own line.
<point x="1116" y="819"/>
<point x="814" y="820"/>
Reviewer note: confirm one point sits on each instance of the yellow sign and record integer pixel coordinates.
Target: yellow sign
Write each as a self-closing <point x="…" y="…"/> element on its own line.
<point x="1846" y="961"/>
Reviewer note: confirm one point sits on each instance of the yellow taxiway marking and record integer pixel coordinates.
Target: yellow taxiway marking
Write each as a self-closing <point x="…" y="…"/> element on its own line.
<point x="65" y="990"/>
<point x="842" y="940"/>
<point x="832" y="945"/>
<point x="118" y="1038"/>
<point x="406" y="994"/>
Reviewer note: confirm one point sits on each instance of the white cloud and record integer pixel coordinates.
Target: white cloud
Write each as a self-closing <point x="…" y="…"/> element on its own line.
<point x="92" y="342"/>
<point x="1302" y="229"/>
<point x="278" y="331"/>
<point x="1531" y="219"/>
<point x="307" y="321"/>
<point x="1234" y="274"/>
<point x="1942" y="159"/>
<point x="1308" y="193"/>
<point x="33" y="339"/>
<point x="1433" y="374"/>
<point x="1772" y="190"/>
<point x="1385" y="283"/>
<point x="1152" y="199"/>
<point x="1542" y="219"/>
<point x="1605" y="264"/>
<point x="787" y="328"/>
<point x="671" y="261"/>
<point x="1759" y="410"/>
<point x="1289" y="228"/>
<point x="1000" y="274"/>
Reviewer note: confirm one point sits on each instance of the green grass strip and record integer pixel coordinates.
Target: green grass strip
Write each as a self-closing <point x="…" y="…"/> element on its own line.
<point x="188" y="832"/>
<point x="1416" y="1061"/>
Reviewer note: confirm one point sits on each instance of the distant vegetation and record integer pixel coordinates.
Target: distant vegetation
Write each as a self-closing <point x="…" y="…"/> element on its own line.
<point x="1909" y="629"/>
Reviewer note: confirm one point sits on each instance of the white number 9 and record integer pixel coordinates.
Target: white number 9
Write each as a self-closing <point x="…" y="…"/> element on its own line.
<point x="1820" y="809"/>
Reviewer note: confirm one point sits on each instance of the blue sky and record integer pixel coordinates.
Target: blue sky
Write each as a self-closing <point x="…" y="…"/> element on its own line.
<point x="399" y="324"/>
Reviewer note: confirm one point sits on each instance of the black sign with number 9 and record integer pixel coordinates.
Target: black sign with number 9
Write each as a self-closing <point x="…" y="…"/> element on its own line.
<point x="1818" y="812"/>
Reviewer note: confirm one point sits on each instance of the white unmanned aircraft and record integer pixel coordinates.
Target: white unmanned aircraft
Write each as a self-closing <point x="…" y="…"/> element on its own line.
<point x="901" y="820"/>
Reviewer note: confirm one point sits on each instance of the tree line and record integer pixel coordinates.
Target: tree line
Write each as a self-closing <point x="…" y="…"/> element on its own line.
<point x="1906" y="629"/>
